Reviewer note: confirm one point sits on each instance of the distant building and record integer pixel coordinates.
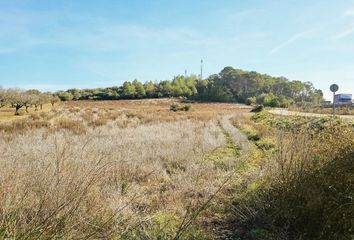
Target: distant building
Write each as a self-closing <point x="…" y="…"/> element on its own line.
<point x="343" y="99"/>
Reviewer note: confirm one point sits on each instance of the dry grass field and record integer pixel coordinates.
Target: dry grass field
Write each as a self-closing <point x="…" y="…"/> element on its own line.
<point x="114" y="170"/>
<point x="136" y="169"/>
<point x="7" y="113"/>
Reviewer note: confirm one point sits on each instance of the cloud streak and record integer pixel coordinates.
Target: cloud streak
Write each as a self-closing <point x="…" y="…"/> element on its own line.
<point x="288" y="42"/>
<point x="349" y="12"/>
<point x="345" y="33"/>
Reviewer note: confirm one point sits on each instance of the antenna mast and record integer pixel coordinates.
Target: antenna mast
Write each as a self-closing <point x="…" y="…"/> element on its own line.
<point x="201" y="69"/>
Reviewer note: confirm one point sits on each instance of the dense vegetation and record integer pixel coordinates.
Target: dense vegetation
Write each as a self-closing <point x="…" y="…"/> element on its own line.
<point x="230" y="85"/>
<point x="303" y="186"/>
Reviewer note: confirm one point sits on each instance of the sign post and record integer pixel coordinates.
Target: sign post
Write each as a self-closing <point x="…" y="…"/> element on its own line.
<point x="334" y="88"/>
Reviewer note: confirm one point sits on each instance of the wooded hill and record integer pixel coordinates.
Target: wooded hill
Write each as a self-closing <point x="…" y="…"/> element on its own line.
<point x="230" y="85"/>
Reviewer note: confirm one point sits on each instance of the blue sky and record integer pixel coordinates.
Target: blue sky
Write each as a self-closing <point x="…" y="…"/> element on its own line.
<point x="61" y="44"/>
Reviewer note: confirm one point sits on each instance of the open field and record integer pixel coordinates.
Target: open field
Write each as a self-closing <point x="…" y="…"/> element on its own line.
<point x="134" y="169"/>
<point x="129" y="120"/>
<point x="127" y="169"/>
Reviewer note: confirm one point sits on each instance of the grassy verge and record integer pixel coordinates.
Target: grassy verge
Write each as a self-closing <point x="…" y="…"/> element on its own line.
<point x="320" y="110"/>
<point x="302" y="185"/>
<point x="222" y="156"/>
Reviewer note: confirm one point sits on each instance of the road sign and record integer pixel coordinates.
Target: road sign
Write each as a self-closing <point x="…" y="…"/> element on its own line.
<point x="334" y="88"/>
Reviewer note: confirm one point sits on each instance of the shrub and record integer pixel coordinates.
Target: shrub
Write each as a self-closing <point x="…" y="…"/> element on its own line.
<point x="177" y="107"/>
<point x="252" y="134"/>
<point x="271" y="100"/>
<point x="187" y="107"/>
<point x="265" y="144"/>
<point x="259" y="117"/>
<point x="251" y="101"/>
<point x="174" y="107"/>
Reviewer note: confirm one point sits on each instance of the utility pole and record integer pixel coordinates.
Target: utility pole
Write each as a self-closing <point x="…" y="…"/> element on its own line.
<point x="201" y="69"/>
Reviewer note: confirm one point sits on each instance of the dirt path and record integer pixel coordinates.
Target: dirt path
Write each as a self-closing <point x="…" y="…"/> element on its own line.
<point x="281" y="111"/>
<point x="238" y="137"/>
<point x="219" y="225"/>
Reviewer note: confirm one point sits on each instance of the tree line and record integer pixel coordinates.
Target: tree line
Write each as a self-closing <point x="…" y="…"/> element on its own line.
<point x="230" y="85"/>
<point x="250" y="87"/>
<point x="17" y="99"/>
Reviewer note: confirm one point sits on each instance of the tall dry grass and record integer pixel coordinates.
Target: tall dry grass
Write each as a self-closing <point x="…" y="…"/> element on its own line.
<point x="91" y="173"/>
<point x="303" y="186"/>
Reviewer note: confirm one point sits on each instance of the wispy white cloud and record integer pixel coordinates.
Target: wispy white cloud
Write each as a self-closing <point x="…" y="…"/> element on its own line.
<point x="90" y="34"/>
<point x="349" y="12"/>
<point x="344" y="33"/>
<point x="286" y="43"/>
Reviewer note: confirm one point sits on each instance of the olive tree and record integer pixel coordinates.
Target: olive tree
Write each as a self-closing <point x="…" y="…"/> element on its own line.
<point x="37" y="99"/>
<point x="45" y="98"/>
<point x="17" y="99"/>
<point x="29" y="100"/>
<point x="54" y="99"/>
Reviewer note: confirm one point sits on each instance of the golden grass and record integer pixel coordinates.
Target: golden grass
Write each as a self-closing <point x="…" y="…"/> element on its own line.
<point x="112" y="170"/>
<point x="8" y="114"/>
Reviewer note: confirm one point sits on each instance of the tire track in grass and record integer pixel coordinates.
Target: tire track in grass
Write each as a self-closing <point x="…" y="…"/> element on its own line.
<point x="233" y="158"/>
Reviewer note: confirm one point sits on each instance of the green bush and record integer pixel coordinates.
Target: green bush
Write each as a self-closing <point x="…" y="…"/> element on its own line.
<point x="175" y="107"/>
<point x="252" y="135"/>
<point x="265" y="144"/>
<point x="187" y="107"/>
<point x="251" y="101"/>
<point x="270" y="100"/>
